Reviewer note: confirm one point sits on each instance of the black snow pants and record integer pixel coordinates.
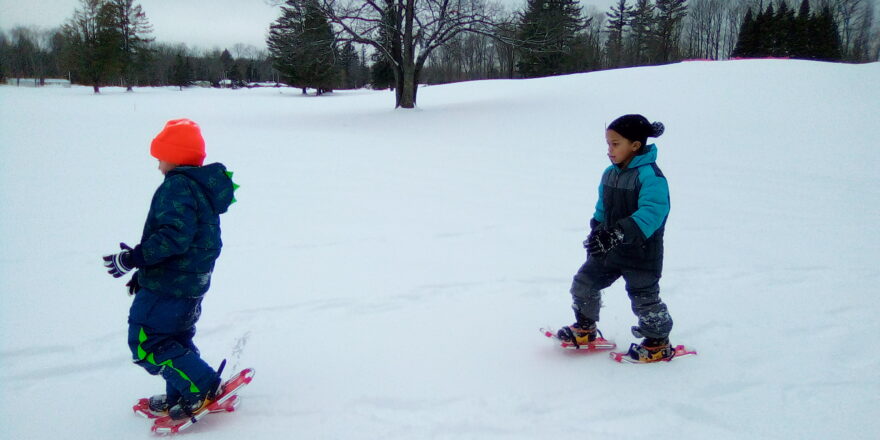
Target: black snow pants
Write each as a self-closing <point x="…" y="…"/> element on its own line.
<point x="643" y="287"/>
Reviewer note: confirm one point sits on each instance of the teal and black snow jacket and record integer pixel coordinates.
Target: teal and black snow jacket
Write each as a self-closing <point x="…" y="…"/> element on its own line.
<point x="181" y="239"/>
<point x="636" y="199"/>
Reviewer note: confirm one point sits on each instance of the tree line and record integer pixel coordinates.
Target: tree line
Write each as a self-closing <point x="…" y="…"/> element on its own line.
<point x="397" y="44"/>
<point x="440" y="41"/>
<point x="109" y="42"/>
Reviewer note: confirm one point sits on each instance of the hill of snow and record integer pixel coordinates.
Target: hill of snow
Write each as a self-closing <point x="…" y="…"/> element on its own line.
<point x="386" y="271"/>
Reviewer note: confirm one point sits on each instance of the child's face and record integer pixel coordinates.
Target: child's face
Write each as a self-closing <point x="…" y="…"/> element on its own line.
<point x="165" y="167"/>
<point x="620" y="149"/>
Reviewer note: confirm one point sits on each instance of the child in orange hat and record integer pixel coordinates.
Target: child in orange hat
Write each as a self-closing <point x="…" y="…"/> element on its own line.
<point x="174" y="261"/>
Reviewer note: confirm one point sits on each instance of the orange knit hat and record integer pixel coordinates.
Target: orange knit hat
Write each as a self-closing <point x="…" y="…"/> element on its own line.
<point x="180" y="142"/>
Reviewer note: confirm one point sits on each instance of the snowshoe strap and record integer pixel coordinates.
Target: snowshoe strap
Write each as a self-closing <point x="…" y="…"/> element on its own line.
<point x="570" y="334"/>
<point x="635" y="351"/>
<point x="220" y="369"/>
<point x="218" y="390"/>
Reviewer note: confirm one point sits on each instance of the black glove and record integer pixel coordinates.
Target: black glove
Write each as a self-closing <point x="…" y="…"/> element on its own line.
<point x="601" y="241"/>
<point x="133" y="285"/>
<point x="119" y="264"/>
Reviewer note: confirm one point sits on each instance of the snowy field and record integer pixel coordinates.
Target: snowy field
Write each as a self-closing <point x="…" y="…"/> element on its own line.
<point x="386" y="271"/>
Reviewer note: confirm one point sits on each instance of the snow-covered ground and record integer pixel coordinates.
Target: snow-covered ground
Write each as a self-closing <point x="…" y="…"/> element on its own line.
<point x="386" y="271"/>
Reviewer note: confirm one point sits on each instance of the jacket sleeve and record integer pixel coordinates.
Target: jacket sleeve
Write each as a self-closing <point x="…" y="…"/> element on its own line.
<point x="653" y="207"/>
<point x="175" y="223"/>
<point x="599" y="214"/>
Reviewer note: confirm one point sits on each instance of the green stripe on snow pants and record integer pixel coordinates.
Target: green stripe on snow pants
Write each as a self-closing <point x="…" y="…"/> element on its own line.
<point x="160" y="336"/>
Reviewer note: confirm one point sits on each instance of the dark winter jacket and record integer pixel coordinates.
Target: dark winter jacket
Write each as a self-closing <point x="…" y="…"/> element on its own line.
<point x="181" y="238"/>
<point x="636" y="199"/>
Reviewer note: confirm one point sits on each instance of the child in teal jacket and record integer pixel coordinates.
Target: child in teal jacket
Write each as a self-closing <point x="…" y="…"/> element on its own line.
<point x="626" y="240"/>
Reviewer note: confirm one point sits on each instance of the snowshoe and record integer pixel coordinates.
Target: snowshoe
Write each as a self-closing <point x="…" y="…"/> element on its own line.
<point x="155" y="407"/>
<point x="580" y="337"/>
<point x="152" y="407"/>
<point x="650" y="351"/>
<point x="185" y="414"/>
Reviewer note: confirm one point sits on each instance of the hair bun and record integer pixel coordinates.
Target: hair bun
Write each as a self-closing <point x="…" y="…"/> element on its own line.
<point x="657" y="129"/>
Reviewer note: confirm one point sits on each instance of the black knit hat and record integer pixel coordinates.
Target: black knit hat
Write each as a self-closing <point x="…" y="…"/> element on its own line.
<point x="636" y="128"/>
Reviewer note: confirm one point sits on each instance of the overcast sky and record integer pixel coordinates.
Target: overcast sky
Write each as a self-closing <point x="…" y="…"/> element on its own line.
<point x="204" y="24"/>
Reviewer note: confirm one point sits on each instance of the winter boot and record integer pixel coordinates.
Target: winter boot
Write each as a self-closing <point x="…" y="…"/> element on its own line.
<point x="153" y="407"/>
<point x="651" y="350"/>
<point x="579" y="334"/>
<point x="159" y="404"/>
<point x="187" y="408"/>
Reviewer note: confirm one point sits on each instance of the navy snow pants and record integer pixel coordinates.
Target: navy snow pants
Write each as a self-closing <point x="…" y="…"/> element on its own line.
<point x="160" y="335"/>
<point x="643" y="287"/>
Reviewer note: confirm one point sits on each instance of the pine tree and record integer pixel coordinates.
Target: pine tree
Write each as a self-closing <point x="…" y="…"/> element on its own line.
<point x="132" y="28"/>
<point x="548" y="32"/>
<point x="285" y="43"/>
<point x="746" y="44"/>
<point x="583" y="56"/>
<point x="783" y="32"/>
<point x="237" y="74"/>
<point x="764" y="31"/>
<point x="827" y="45"/>
<point x="253" y="72"/>
<point x="801" y="47"/>
<point x="642" y="26"/>
<point x="349" y="67"/>
<point x="670" y="14"/>
<point x="303" y="47"/>
<point x="228" y="64"/>
<point x="93" y="36"/>
<point x="383" y="75"/>
<point x="4" y="49"/>
<point x="363" y="68"/>
<point x="181" y="72"/>
<point x="618" y="21"/>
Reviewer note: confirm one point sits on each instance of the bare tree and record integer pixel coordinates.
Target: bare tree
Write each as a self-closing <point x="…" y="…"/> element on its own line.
<point x="466" y="57"/>
<point x="24" y="59"/>
<point x="874" y="49"/>
<point x="594" y="34"/>
<point x="416" y="29"/>
<point x="504" y="47"/>
<point x="845" y="13"/>
<point x="862" y="25"/>
<point x="241" y="50"/>
<point x="736" y="12"/>
<point x="704" y="27"/>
